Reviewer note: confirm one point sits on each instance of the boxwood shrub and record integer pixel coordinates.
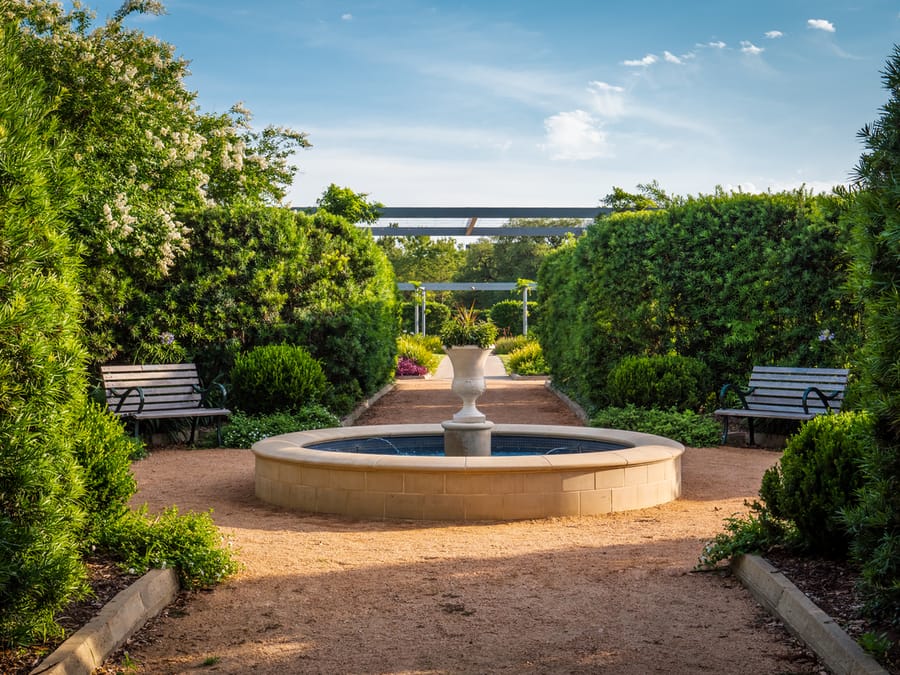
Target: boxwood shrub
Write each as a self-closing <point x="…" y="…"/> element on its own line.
<point x="276" y="378"/>
<point x="818" y="476"/>
<point x="661" y="382"/>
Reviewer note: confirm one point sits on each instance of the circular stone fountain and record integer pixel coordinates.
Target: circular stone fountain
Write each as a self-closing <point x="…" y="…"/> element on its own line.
<point x="642" y="471"/>
<point x="449" y="471"/>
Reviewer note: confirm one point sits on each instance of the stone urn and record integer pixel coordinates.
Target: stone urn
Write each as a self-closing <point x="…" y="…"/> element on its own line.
<point x="468" y="434"/>
<point x="468" y="379"/>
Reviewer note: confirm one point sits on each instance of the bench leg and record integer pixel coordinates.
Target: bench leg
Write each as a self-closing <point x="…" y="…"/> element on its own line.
<point x="750" y="429"/>
<point x="137" y="429"/>
<point x="193" y="430"/>
<point x="724" y="431"/>
<point x="218" y="432"/>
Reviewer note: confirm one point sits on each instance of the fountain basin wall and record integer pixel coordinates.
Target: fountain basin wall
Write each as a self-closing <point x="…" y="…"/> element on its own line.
<point x="288" y="474"/>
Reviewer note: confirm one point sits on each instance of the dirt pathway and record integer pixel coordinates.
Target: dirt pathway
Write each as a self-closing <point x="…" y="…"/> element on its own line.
<point x="325" y="594"/>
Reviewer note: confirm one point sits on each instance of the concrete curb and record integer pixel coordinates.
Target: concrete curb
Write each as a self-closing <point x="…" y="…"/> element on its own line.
<point x="841" y="654"/>
<point x="574" y="407"/>
<point x="365" y="405"/>
<point x="88" y="648"/>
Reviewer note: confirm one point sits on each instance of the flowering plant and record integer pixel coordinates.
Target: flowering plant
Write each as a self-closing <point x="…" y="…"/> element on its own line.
<point x="406" y="366"/>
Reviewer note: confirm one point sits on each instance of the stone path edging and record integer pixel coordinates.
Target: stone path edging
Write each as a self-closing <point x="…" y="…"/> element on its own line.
<point x="119" y="619"/>
<point x="574" y="407"/>
<point x="840" y="653"/>
<point x="365" y="405"/>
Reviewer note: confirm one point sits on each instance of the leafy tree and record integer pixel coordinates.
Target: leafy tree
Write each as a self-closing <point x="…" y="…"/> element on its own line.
<point x="42" y="383"/>
<point x="422" y="259"/>
<point x="649" y="196"/>
<point x="875" y="523"/>
<point x="143" y="146"/>
<point x="350" y="205"/>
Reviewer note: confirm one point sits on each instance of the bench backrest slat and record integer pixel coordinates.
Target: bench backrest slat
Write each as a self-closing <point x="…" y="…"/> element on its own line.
<point x="778" y="388"/>
<point x="165" y="386"/>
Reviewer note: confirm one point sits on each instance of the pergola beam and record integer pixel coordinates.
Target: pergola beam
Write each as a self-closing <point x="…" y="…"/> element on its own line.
<point x="471" y="215"/>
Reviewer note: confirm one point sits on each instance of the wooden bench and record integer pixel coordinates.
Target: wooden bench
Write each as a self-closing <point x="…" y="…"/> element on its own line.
<point x="784" y="394"/>
<point x="161" y="391"/>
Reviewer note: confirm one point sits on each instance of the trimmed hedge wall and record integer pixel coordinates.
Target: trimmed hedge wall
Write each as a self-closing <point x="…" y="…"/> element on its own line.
<point x="732" y="280"/>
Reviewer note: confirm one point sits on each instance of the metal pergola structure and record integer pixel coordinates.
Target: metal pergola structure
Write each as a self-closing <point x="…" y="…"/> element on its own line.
<point x="421" y="289"/>
<point x="471" y="214"/>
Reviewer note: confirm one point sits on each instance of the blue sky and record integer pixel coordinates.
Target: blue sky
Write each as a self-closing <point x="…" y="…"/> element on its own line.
<point x="511" y="102"/>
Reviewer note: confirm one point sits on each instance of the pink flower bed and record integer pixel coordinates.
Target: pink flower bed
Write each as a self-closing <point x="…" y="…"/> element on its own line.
<point x="406" y="366"/>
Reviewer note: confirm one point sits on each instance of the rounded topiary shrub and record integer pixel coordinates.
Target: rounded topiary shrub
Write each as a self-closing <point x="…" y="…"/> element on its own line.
<point x="276" y="378"/>
<point x="662" y="382"/>
<point x="818" y="476"/>
<point x="528" y="360"/>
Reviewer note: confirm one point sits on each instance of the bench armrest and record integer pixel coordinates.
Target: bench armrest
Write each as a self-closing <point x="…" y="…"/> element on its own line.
<point x="825" y="398"/>
<point x="741" y="394"/>
<point x="122" y="396"/>
<point x="217" y="389"/>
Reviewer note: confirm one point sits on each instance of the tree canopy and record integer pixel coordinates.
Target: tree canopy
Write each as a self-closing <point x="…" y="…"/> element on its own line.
<point x="139" y="140"/>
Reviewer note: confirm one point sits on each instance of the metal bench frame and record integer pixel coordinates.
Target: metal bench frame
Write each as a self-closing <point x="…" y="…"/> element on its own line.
<point x="776" y="392"/>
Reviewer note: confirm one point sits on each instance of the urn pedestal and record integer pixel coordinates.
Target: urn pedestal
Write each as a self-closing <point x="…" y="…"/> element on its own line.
<point x="469" y="432"/>
<point x="468" y="379"/>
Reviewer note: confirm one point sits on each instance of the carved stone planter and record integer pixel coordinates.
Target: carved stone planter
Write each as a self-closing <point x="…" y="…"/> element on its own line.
<point x="468" y="433"/>
<point x="468" y="379"/>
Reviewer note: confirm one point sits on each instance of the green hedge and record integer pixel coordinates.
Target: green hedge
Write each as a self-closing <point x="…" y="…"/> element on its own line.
<point x="733" y="280"/>
<point x="436" y="314"/>
<point x="507" y="316"/>
<point x="875" y="522"/>
<point x="259" y="276"/>
<point x="686" y="427"/>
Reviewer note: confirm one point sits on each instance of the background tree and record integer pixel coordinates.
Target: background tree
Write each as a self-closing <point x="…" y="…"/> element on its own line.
<point x="507" y="258"/>
<point x="649" y="196"/>
<point x="875" y="523"/>
<point x="423" y="259"/>
<point x="143" y="146"/>
<point x="354" y="207"/>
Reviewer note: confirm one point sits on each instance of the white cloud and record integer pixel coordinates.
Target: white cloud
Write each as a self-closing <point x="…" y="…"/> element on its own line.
<point x="671" y="58"/>
<point x="774" y="34"/>
<point x="607" y="99"/>
<point x="574" y="135"/>
<point x="821" y="24"/>
<point x="716" y="45"/>
<point x="346" y="17"/>
<point x="750" y="48"/>
<point x="648" y="60"/>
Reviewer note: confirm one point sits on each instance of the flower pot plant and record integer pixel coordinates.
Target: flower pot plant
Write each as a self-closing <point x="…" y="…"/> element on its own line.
<point x="464" y="328"/>
<point x="468" y="342"/>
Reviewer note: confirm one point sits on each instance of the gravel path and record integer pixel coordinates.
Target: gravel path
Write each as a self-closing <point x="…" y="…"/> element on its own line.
<point x="323" y="594"/>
